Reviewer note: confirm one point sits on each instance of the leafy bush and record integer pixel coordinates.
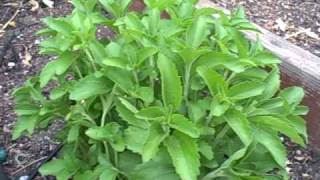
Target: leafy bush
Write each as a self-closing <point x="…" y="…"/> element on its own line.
<point x="182" y="98"/>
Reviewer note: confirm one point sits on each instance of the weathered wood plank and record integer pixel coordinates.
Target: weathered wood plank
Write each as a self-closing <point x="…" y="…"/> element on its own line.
<point x="298" y="68"/>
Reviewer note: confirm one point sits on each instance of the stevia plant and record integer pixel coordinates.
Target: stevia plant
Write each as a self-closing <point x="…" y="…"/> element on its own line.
<point x="164" y="99"/>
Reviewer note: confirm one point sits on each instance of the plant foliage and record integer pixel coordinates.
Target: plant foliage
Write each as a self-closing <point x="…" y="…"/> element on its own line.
<point x="182" y="98"/>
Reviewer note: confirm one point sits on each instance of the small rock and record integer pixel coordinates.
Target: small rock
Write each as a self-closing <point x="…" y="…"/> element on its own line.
<point x="24" y="178"/>
<point x="305" y="175"/>
<point x="11" y="64"/>
<point x="299" y="158"/>
<point x="298" y="152"/>
<point x="37" y="41"/>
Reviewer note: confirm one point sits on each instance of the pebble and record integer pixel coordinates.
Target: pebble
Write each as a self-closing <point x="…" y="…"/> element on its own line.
<point x="299" y="158"/>
<point x="305" y="175"/>
<point x="24" y="178"/>
<point x="11" y="64"/>
<point x="298" y="152"/>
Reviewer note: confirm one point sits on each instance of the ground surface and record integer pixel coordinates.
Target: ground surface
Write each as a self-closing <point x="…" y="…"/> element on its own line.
<point x="19" y="60"/>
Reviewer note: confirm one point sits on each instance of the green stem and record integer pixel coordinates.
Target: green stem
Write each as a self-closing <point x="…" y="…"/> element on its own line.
<point x="91" y="59"/>
<point x="106" y="148"/>
<point x="219" y="136"/>
<point x="106" y="106"/>
<point x="186" y="83"/>
<point x="136" y="78"/>
<point x="88" y="118"/>
<point x="78" y="71"/>
<point x="213" y="174"/>
<point x="151" y="60"/>
<point x="116" y="159"/>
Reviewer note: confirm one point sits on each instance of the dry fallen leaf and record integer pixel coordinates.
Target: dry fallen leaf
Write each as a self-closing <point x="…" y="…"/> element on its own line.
<point x="12" y="24"/>
<point x="48" y="3"/>
<point x="27" y="57"/>
<point x="281" y="24"/>
<point x="311" y="34"/>
<point x="34" y="4"/>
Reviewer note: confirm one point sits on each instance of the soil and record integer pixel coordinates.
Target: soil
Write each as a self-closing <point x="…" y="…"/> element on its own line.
<point x="19" y="59"/>
<point x="298" y="21"/>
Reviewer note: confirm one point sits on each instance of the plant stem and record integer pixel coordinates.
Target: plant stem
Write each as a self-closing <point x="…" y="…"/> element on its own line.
<point x="151" y="60"/>
<point x="91" y="59"/>
<point x="186" y="83"/>
<point x="213" y="174"/>
<point x="116" y="159"/>
<point x="136" y="78"/>
<point x="106" y="148"/>
<point x="224" y="130"/>
<point x="106" y="106"/>
<point x="88" y="118"/>
<point x="78" y="71"/>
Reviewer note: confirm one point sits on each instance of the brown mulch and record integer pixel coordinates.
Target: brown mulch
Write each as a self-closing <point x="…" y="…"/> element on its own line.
<point x="19" y="59"/>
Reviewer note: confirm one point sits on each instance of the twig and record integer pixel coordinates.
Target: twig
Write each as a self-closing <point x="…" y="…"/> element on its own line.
<point x="294" y="34"/>
<point x="11" y="19"/>
<point x="28" y="165"/>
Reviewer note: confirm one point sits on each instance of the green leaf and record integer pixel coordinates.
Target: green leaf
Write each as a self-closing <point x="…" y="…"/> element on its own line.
<point x="115" y="62"/>
<point x="58" y="92"/>
<point x="144" y="93"/>
<point x="109" y="174"/>
<point x="156" y="135"/>
<point x="59" y="25"/>
<point x="215" y="59"/>
<point x="105" y="133"/>
<point x="129" y="116"/>
<point x="272" y="142"/>
<point x="121" y="77"/>
<point x="240" y="125"/>
<point x="98" y="51"/>
<point x="62" y="169"/>
<point x="145" y="53"/>
<point x="24" y="123"/>
<point x="299" y="124"/>
<point x="90" y="86"/>
<point x="265" y="58"/>
<point x="73" y="133"/>
<point x="206" y="150"/>
<point x="170" y="83"/>
<point x="219" y="108"/>
<point x="27" y="109"/>
<point x="184" y="154"/>
<point x="151" y="113"/>
<point x="214" y="81"/>
<point x="85" y="175"/>
<point x="245" y="90"/>
<point x="272" y="84"/>
<point x="52" y="167"/>
<point x="146" y="171"/>
<point x="281" y="126"/>
<point x="184" y="125"/>
<point x="135" y="138"/>
<point x="292" y="95"/>
<point x="198" y="32"/>
<point x="57" y="67"/>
